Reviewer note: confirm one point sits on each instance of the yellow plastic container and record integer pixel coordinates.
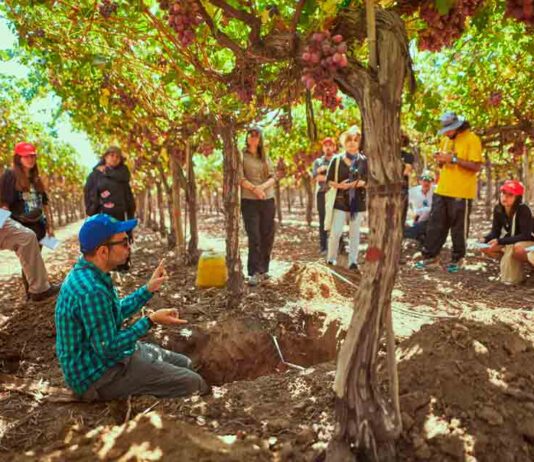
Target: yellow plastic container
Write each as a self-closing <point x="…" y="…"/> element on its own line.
<point x="212" y="271"/>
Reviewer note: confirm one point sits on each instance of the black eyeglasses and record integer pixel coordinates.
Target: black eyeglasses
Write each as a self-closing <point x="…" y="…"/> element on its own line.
<point x="124" y="242"/>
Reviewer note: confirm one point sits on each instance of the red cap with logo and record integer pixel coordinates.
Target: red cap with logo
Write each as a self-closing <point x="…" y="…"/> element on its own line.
<point x="328" y="140"/>
<point x="24" y="149"/>
<point x="513" y="187"/>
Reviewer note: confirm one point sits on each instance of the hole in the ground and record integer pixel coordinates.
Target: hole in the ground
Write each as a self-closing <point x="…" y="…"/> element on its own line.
<point x="241" y="349"/>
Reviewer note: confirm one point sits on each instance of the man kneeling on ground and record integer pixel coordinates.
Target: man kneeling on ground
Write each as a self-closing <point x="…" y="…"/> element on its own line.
<point x="100" y="359"/>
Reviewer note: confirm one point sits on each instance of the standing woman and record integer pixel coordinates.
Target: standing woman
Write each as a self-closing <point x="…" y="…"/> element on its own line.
<point x="108" y="190"/>
<point x="257" y="205"/>
<point x="347" y="174"/>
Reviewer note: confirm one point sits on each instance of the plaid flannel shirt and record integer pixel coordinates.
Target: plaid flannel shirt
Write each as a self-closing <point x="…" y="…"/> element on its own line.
<point x="89" y="317"/>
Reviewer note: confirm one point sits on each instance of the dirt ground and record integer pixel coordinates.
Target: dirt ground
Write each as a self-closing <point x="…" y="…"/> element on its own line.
<point x="465" y="352"/>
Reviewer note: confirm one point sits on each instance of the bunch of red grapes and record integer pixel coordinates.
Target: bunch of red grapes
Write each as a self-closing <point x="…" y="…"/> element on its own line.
<point x="522" y="10"/>
<point x="107" y="8"/>
<point x="285" y="122"/>
<point x="495" y="99"/>
<point x="517" y="149"/>
<point x="323" y="56"/>
<point x="184" y="17"/>
<point x="302" y="161"/>
<point x="206" y="149"/>
<point x="443" y="30"/>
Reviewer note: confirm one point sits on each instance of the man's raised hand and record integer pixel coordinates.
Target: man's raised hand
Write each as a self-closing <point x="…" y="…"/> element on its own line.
<point x="158" y="277"/>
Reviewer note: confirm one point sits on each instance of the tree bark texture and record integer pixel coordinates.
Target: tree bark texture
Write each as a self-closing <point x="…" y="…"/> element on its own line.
<point x="488" y="206"/>
<point x="231" y="167"/>
<point x="288" y="195"/>
<point x="176" y="203"/>
<point x="161" y="210"/>
<point x="191" y="197"/>
<point x="308" y="187"/>
<point x="367" y="421"/>
<point x="277" y="192"/>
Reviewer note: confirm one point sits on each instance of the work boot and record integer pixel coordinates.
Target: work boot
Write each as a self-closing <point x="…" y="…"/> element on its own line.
<point x="47" y="294"/>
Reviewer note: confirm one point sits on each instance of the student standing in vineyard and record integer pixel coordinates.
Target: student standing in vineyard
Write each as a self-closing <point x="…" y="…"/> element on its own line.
<point x="459" y="160"/>
<point x="319" y="169"/>
<point x="347" y="174"/>
<point x="108" y="190"/>
<point x="23" y="193"/>
<point x="257" y="179"/>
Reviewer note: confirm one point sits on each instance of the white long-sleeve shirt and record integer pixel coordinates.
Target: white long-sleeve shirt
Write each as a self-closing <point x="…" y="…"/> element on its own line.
<point x="420" y="203"/>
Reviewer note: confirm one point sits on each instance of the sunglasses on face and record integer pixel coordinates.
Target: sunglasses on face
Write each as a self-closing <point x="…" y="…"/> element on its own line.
<point x="123" y="242"/>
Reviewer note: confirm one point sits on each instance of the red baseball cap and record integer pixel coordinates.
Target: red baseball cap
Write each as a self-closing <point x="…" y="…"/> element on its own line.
<point x="328" y="140"/>
<point x="24" y="149"/>
<point x="513" y="187"/>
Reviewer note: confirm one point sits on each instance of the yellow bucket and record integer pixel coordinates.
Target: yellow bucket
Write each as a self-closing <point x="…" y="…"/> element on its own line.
<point x="212" y="271"/>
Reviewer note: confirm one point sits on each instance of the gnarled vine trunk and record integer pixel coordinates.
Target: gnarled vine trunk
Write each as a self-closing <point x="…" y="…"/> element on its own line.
<point x="191" y="197"/>
<point x="368" y="422"/>
<point x="176" y="202"/>
<point x="231" y="166"/>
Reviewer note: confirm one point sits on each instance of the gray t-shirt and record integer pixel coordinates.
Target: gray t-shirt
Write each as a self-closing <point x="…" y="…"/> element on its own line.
<point x="257" y="172"/>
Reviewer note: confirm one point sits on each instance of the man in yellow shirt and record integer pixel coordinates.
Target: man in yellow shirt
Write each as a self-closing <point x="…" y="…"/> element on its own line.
<point x="459" y="160"/>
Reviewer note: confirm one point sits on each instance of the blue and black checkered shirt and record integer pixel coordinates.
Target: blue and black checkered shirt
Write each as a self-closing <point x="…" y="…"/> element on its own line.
<point x="89" y="317"/>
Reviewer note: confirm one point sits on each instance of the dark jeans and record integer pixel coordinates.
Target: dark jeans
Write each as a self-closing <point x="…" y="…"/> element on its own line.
<point x="447" y="213"/>
<point x="417" y="231"/>
<point x="258" y="216"/>
<point x="323" y="235"/>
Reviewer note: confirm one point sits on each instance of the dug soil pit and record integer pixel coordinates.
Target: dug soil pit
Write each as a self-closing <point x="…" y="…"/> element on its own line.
<point x="244" y="349"/>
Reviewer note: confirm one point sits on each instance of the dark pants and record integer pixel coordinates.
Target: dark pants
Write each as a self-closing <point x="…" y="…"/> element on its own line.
<point x="151" y="370"/>
<point x="323" y="235"/>
<point x="258" y="216"/>
<point x="417" y="231"/>
<point x="447" y="213"/>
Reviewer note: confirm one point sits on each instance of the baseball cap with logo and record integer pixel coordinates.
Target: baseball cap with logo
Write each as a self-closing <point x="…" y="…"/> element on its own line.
<point x="99" y="228"/>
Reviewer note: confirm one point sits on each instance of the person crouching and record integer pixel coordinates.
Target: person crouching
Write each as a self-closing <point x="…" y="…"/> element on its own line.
<point x="511" y="232"/>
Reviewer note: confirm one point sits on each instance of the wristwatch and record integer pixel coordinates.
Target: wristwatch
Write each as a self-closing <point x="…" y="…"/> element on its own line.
<point x="454" y="160"/>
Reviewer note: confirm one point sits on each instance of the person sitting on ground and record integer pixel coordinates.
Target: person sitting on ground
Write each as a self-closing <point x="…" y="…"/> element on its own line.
<point x="512" y="218"/>
<point x="347" y="175"/>
<point x="23" y="241"/>
<point x="420" y="198"/>
<point x="23" y="193"/>
<point x="100" y="359"/>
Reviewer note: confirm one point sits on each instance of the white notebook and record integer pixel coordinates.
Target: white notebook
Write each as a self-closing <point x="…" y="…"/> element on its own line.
<point x="51" y="242"/>
<point x="4" y="215"/>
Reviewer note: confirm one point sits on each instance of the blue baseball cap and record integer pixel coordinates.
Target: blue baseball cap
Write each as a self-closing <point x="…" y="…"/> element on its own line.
<point x="99" y="228"/>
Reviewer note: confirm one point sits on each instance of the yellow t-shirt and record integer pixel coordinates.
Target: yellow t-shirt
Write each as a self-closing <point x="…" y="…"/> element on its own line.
<point x="455" y="181"/>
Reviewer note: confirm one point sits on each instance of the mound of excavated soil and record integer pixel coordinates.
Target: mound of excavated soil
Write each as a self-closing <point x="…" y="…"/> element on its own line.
<point x="154" y="437"/>
<point x="466" y="391"/>
<point x="312" y="282"/>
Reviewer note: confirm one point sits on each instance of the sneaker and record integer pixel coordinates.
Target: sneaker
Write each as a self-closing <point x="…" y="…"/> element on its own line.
<point x="331" y="262"/>
<point x="42" y="296"/>
<point x="253" y="280"/>
<point x="455" y="266"/>
<point x="427" y="263"/>
<point x="264" y="276"/>
<point x="353" y="267"/>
